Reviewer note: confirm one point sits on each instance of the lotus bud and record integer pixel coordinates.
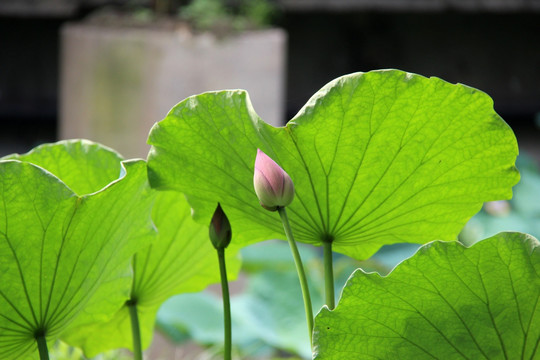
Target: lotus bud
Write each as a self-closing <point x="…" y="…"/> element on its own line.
<point x="220" y="229"/>
<point x="273" y="185"/>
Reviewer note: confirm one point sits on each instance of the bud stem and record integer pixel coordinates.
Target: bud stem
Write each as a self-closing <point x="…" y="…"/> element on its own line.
<point x="226" y="304"/>
<point x="299" y="270"/>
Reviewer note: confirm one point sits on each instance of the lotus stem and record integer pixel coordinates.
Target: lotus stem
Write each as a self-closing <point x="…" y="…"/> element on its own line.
<point x="226" y="304"/>
<point x="328" y="275"/>
<point x="42" y="345"/>
<point x="299" y="270"/>
<point x="135" y="329"/>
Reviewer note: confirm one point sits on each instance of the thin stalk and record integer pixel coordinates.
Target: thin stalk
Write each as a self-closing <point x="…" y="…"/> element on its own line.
<point x="299" y="270"/>
<point x="135" y="330"/>
<point x="42" y="346"/>
<point x="328" y="275"/>
<point x="226" y="304"/>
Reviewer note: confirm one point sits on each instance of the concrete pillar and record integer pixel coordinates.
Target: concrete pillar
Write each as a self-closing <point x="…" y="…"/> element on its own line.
<point x="117" y="82"/>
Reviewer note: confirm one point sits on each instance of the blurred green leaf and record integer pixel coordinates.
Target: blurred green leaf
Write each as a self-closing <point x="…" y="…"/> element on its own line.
<point x="265" y="313"/>
<point x="62" y="351"/>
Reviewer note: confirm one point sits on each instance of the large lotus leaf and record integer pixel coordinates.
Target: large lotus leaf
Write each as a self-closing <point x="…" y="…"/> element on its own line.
<point x="446" y="302"/>
<point x="181" y="259"/>
<point x="64" y="258"/>
<point x="376" y="158"/>
<point x="84" y="166"/>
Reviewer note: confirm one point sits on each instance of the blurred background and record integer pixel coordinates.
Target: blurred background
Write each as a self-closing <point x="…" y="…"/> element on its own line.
<point x="108" y="69"/>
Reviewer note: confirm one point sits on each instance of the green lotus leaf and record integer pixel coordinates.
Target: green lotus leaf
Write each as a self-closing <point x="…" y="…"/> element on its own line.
<point x="376" y="158"/>
<point x="180" y="260"/>
<point x="64" y="258"/>
<point x="83" y="165"/>
<point x="446" y="302"/>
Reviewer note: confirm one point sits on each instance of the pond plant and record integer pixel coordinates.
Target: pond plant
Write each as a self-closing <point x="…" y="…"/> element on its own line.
<point x="91" y="245"/>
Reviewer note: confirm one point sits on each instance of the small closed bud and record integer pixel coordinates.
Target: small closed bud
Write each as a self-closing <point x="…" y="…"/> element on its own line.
<point x="220" y="229"/>
<point x="273" y="185"/>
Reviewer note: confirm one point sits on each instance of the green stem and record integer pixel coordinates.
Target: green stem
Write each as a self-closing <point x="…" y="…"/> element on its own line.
<point x="328" y="275"/>
<point x="299" y="270"/>
<point x="135" y="329"/>
<point x="42" y="346"/>
<point x="226" y="304"/>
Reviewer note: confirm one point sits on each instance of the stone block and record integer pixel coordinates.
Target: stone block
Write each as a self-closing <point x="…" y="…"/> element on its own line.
<point x="117" y="82"/>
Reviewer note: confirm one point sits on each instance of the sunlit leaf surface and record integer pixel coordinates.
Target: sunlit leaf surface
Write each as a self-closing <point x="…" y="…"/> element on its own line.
<point x="83" y="165"/>
<point x="64" y="258"/>
<point x="376" y="158"/>
<point x="180" y="258"/>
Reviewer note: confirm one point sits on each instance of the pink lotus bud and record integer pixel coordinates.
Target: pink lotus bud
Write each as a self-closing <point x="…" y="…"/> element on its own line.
<point x="273" y="185"/>
<point x="220" y="229"/>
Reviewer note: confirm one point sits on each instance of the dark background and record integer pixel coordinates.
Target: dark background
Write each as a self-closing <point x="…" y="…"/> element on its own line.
<point x="491" y="45"/>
